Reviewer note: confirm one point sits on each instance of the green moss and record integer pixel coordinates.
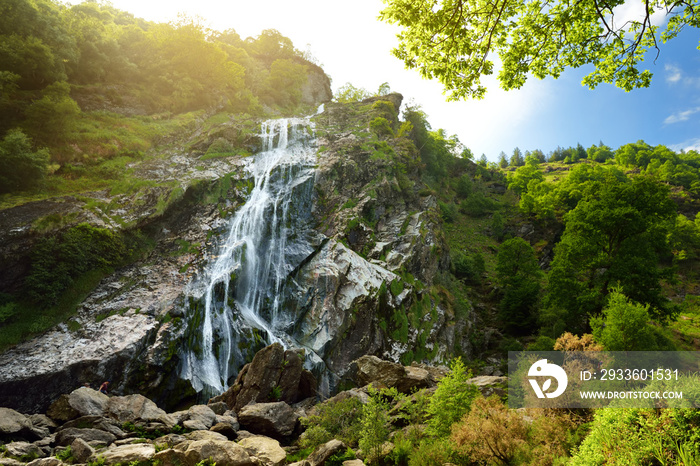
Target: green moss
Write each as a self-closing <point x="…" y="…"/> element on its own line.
<point x="396" y="286"/>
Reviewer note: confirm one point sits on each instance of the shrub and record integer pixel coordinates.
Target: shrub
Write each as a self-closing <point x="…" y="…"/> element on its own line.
<point x="624" y="325"/>
<point x="494" y="434"/>
<point x="333" y="419"/>
<point x="451" y="400"/>
<point x="639" y="436"/>
<point x="448" y="212"/>
<point x="381" y="127"/>
<point x="477" y="205"/>
<point x="375" y="424"/>
<point x="20" y="167"/>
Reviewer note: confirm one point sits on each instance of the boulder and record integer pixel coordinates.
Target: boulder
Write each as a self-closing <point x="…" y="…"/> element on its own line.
<point x="23" y="450"/>
<point x="50" y="461"/>
<point x="386" y="374"/>
<point x="170" y="457"/>
<point x="81" y="451"/>
<point x="66" y="436"/>
<point x="170" y="439"/>
<point x="61" y="410"/>
<point x="125" y="454"/>
<point x="380" y="373"/>
<point x="223" y="453"/>
<point x="96" y="422"/>
<point x="273" y="375"/>
<point x="88" y="402"/>
<point x="277" y="420"/>
<point x="219" y="407"/>
<point x="353" y="463"/>
<point x="325" y="451"/>
<point x="490" y="385"/>
<point x="13" y="424"/>
<point x="199" y="417"/>
<point x="266" y="449"/>
<point x="10" y="462"/>
<point x="137" y="408"/>
<point x="205" y="435"/>
<point x="289" y="377"/>
<point x="42" y="421"/>
<point x="258" y="380"/>
<point x="226" y="425"/>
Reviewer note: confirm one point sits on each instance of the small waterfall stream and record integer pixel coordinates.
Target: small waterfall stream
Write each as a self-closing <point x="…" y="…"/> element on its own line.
<point x="234" y="306"/>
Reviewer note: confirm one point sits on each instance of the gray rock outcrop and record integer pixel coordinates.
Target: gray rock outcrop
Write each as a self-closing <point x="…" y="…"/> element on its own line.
<point x="276" y="420"/>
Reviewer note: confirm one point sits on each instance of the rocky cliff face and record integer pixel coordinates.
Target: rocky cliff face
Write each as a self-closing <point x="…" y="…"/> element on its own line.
<point x="367" y="287"/>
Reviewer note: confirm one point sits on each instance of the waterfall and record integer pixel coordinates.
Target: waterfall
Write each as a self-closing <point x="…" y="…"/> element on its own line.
<point x="234" y="305"/>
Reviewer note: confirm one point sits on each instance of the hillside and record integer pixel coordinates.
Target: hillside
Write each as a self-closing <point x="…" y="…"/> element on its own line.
<point x="177" y="203"/>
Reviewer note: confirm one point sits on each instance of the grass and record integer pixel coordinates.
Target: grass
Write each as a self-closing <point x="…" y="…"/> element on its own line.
<point x="97" y="154"/>
<point x="686" y="330"/>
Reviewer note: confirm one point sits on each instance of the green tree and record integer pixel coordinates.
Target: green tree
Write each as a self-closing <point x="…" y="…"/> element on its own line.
<point x="349" y="93"/>
<point x="616" y="234"/>
<point x="286" y="79"/>
<point x="375" y="424"/>
<point x="599" y="153"/>
<point x="518" y="273"/>
<point x="517" y="160"/>
<point x="623" y="325"/>
<point x="453" y="40"/>
<point x="451" y="400"/>
<point x="519" y="181"/>
<point x="384" y="89"/>
<point x="502" y="160"/>
<point x="20" y="166"/>
<point x="53" y="117"/>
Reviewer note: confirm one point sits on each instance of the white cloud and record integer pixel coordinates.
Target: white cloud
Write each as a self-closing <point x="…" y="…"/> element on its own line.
<point x="681" y="116"/>
<point x="673" y="74"/>
<point x="690" y="144"/>
<point x="633" y="10"/>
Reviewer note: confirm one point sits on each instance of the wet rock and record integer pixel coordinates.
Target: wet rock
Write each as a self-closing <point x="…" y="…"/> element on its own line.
<point x="266" y="449"/>
<point x="276" y="420"/>
<point x="260" y="378"/>
<point x="273" y="375"/>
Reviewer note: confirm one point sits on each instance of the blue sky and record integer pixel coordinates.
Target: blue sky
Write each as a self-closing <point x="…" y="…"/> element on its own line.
<point x="353" y="46"/>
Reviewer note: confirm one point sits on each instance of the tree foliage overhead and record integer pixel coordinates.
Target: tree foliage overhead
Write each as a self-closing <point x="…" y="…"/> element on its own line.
<point x="454" y="40"/>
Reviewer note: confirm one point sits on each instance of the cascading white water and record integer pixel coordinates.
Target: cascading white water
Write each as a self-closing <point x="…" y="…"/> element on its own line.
<point x="237" y="298"/>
